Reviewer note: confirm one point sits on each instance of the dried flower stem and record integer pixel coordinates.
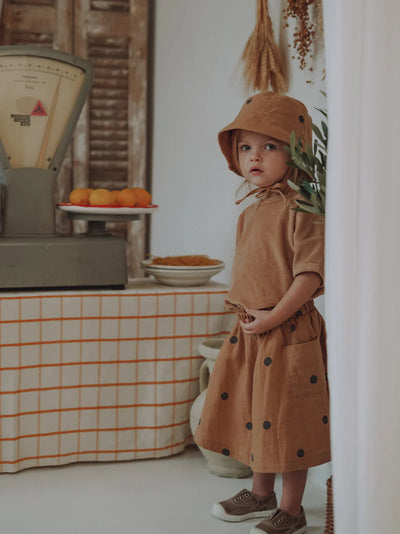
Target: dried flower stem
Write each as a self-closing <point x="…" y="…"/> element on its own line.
<point x="263" y="64"/>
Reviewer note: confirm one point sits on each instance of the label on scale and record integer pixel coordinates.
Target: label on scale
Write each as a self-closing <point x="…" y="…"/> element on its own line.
<point x="25" y="120"/>
<point x="39" y="110"/>
<point x="37" y="97"/>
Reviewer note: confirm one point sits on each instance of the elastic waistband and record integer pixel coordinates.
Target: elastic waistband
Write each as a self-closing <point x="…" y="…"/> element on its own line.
<point x="240" y="311"/>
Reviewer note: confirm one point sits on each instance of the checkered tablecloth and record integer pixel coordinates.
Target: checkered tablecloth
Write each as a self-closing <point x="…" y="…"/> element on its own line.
<point x="101" y="375"/>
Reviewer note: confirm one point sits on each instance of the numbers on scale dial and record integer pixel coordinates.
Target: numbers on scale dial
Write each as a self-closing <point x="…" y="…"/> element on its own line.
<point x="43" y="67"/>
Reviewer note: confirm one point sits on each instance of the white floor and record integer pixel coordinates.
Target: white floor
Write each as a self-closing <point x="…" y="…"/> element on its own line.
<point x="166" y="496"/>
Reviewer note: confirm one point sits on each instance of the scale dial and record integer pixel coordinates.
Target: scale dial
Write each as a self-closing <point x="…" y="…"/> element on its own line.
<point x="37" y="97"/>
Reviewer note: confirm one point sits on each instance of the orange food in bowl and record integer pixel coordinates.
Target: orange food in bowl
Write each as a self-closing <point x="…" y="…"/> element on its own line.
<point x="80" y="196"/>
<point x="134" y="196"/>
<point x="101" y="197"/>
<point x="193" y="260"/>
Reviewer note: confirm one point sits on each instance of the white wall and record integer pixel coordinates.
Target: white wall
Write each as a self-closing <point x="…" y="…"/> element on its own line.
<point x="198" y="90"/>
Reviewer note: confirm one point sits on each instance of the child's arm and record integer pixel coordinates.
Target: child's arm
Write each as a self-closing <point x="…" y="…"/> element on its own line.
<point x="303" y="287"/>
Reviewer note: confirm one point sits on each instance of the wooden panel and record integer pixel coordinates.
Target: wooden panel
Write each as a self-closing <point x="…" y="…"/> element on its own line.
<point x="113" y="151"/>
<point x="32" y="39"/>
<point x="137" y="111"/>
<point x="36" y="2"/>
<point x="109" y="112"/>
<point x="29" y="17"/>
<point x="110" y="5"/>
<point x="111" y="23"/>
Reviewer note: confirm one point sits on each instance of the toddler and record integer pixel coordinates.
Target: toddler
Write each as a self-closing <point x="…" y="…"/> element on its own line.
<point x="267" y="400"/>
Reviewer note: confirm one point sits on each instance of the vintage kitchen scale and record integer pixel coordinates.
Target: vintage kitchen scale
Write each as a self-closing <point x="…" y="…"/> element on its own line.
<point x="42" y="93"/>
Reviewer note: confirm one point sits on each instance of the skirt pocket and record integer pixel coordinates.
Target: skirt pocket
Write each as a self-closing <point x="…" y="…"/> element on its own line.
<point x="306" y="371"/>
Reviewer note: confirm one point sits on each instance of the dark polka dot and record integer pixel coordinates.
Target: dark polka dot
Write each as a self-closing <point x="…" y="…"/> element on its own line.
<point x="226" y="452"/>
<point x="301" y="118"/>
<point x="299" y="313"/>
<point x="267" y="361"/>
<point x="224" y="395"/>
<point x="292" y="327"/>
<point x="249" y="100"/>
<point x="313" y="379"/>
<point x="233" y="339"/>
<point x="252" y="457"/>
<point x="325" y="419"/>
<point x="300" y="453"/>
<point x="249" y="425"/>
<point x="266" y="425"/>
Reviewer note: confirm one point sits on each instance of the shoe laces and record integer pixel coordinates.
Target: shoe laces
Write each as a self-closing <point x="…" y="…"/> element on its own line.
<point x="277" y="522"/>
<point x="241" y="496"/>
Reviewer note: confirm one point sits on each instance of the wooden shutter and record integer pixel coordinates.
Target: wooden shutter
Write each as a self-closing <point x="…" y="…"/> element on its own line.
<point x="109" y="148"/>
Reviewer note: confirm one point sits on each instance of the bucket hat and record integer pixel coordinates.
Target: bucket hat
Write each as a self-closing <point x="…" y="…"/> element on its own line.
<point x="270" y="114"/>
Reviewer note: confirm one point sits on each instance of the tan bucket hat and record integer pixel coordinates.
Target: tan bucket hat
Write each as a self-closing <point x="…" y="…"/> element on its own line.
<point x="270" y="114"/>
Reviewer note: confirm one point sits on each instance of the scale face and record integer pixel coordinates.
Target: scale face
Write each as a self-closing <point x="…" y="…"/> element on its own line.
<point x="37" y="97"/>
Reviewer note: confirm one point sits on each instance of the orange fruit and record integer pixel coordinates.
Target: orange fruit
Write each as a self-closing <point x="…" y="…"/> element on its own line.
<point x="127" y="198"/>
<point x="143" y="196"/>
<point x="80" y="196"/>
<point x="101" y="197"/>
<point x="115" y="197"/>
<point x="134" y="196"/>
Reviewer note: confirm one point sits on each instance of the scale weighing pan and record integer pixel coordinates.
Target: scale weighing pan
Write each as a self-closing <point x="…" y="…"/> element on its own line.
<point x="42" y="92"/>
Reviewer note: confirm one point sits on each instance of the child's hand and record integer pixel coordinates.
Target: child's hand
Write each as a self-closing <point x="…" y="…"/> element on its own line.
<point x="262" y="322"/>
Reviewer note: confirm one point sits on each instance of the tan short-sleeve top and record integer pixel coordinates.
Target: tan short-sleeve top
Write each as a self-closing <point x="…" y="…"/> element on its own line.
<point x="274" y="244"/>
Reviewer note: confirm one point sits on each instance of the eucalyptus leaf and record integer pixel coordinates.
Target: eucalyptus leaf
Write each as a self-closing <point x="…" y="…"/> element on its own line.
<point x="312" y="160"/>
<point x="324" y="129"/>
<point x="317" y="132"/>
<point x="291" y="164"/>
<point x="308" y="187"/>
<point x="324" y="113"/>
<point x="309" y="208"/>
<point x="309" y="152"/>
<point x="293" y="185"/>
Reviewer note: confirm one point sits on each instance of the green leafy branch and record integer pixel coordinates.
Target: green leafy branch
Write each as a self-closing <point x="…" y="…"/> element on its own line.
<point x="312" y="161"/>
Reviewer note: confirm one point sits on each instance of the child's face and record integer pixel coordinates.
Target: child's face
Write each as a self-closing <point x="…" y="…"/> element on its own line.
<point x="262" y="159"/>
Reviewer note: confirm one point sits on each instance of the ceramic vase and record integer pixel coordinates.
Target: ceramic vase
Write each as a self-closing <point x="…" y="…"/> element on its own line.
<point x="218" y="464"/>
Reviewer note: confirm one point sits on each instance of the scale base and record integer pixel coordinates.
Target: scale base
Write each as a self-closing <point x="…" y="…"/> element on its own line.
<point x="58" y="261"/>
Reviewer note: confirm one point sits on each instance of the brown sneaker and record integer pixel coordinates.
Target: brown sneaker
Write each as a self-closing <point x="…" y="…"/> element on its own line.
<point x="245" y="505"/>
<point x="282" y="523"/>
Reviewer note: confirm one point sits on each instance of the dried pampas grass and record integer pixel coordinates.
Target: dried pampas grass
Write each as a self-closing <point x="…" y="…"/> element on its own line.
<point x="263" y="64"/>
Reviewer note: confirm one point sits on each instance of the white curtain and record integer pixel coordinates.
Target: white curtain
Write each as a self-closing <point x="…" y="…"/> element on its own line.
<point x="363" y="261"/>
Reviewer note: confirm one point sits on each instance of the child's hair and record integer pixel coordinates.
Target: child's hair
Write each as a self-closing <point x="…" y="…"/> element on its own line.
<point x="270" y="114"/>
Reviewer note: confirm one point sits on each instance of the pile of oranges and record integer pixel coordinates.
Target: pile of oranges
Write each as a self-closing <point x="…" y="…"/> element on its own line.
<point x="127" y="198"/>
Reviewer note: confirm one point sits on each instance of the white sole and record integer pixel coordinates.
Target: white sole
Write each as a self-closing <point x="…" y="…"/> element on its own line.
<point x="218" y="511"/>
<point x="256" y="530"/>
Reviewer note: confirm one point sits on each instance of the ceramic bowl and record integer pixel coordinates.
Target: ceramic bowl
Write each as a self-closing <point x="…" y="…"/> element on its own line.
<point x="182" y="275"/>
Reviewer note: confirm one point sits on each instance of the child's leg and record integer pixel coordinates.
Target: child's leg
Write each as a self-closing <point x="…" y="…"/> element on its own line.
<point x="293" y="484"/>
<point x="263" y="483"/>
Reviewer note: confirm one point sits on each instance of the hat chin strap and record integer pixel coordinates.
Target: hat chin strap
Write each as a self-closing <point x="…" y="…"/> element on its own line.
<point x="266" y="190"/>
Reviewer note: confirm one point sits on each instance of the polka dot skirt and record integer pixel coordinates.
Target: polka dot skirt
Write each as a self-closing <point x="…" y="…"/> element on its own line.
<point x="267" y="401"/>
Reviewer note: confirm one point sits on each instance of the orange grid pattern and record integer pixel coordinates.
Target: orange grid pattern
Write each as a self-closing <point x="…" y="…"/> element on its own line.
<point x="101" y="376"/>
